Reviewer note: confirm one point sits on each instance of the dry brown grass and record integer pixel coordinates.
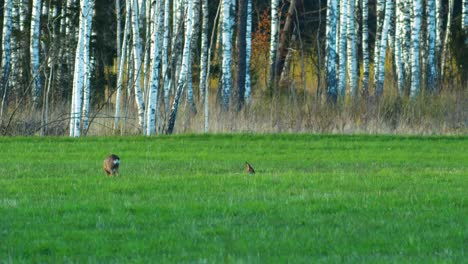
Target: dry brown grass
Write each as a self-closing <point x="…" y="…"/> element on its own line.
<point x="445" y="113"/>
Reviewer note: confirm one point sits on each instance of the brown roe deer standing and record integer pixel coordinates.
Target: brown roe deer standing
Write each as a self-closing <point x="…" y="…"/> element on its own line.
<point x="111" y="165"/>
<point x="249" y="169"/>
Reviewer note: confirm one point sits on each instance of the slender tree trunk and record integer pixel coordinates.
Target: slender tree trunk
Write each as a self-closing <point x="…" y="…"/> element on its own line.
<point x="330" y="49"/>
<point x="241" y="51"/>
<point x="415" y="39"/>
<point x="87" y="67"/>
<point x="342" y="48"/>
<point x="183" y="71"/>
<point x="464" y="25"/>
<point x="365" y="46"/>
<point x="79" y="74"/>
<point x="165" y="56"/>
<point x="439" y="23"/>
<point x="248" y="52"/>
<point x="6" y="54"/>
<point x="121" y="66"/>
<point x="35" y="51"/>
<point x="283" y="37"/>
<point x="154" y="77"/>
<point x="383" y="48"/>
<point x="207" y="84"/>
<point x="204" y="49"/>
<point x="137" y="65"/>
<point x="118" y="11"/>
<point x="446" y="40"/>
<point x="400" y="9"/>
<point x="380" y="13"/>
<point x="273" y="44"/>
<point x="227" y="47"/>
<point x="194" y="39"/>
<point x="352" y="54"/>
<point x="431" y="46"/>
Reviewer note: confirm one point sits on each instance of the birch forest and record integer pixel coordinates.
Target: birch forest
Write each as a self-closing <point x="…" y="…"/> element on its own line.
<point x="128" y="67"/>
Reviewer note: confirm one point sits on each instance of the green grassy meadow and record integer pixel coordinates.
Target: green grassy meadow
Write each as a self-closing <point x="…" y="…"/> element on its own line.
<point x="314" y="199"/>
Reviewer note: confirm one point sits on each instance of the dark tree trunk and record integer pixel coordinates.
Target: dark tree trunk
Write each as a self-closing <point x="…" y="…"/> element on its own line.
<point x="284" y="36"/>
<point x="241" y="51"/>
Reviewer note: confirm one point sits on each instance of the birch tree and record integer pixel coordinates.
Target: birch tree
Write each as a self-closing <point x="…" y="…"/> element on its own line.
<point x="431" y="45"/>
<point x="446" y="39"/>
<point x="121" y="66"/>
<point x="342" y="48"/>
<point x="79" y="74"/>
<point x="183" y="70"/>
<point x="248" y="52"/>
<point x="204" y="49"/>
<point x="415" y="58"/>
<point x="330" y="56"/>
<point x="165" y="55"/>
<point x="87" y="67"/>
<point x="383" y="47"/>
<point x="399" y="38"/>
<point x="6" y="43"/>
<point x="352" y="54"/>
<point x="227" y="47"/>
<point x="439" y="20"/>
<point x="154" y="76"/>
<point x="241" y="52"/>
<point x="380" y="13"/>
<point x="365" y="45"/>
<point x="273" y="43"/>
<point x="137" y="63"/>
<point x="35" y="51"/>
<point x="6" y="53"/>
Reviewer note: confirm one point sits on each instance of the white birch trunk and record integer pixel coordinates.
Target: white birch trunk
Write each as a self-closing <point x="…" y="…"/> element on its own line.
<point x="330" y="50"/>
<point x="137" y="63"/>
<point x="248" y="52"/>
<point x="439" y="18"/>
<point x="165" y="55"/>
<point x="352" y="54"/>
<point x="183" y="70"/>
<point x="405" y="40"/>
<point x="227" y="47"/>
<point x="383" y="47"/>
<point x="15" y="47"/>
<point x="415" y="40"/>
<point x="400" y="9"/>
<point x="78" y="76"/>
<point x="431" y="46"/>
<point x="35" y="51"/>
<point x="380" y="13"/>
<point x="6" y="44"/>
<point x="6" y="54"/>
<point x="194" y="39"/>
<point x="342" y="48"/>
<point x="273" y="42"/>
<point x="121" y="66"/>
<point x="365" y="46"/>
<point x="204" y="50"/>
<point x="154" y="76"/>
<point x="87" y="66"/>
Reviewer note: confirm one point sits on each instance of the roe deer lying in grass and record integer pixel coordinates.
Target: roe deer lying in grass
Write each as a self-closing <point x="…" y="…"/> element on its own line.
<point x="249" y="169"/>
<point x="111" y="165"/>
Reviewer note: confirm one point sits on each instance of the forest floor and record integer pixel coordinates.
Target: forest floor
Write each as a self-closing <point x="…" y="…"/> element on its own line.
<point x="186" y="198"/>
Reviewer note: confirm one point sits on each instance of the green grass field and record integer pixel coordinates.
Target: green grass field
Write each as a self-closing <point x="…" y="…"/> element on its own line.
<point x="313" y="199"/>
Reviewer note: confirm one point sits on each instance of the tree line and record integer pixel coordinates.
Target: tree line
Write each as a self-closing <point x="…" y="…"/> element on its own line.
<point x="146" y="56"/>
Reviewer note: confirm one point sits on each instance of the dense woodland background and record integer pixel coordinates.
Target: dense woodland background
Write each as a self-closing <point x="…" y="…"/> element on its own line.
<point x="71" y="67"/>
